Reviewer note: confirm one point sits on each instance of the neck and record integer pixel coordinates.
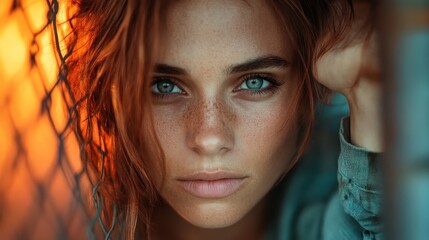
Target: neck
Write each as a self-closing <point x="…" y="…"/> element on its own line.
<point x="169" y="225"/>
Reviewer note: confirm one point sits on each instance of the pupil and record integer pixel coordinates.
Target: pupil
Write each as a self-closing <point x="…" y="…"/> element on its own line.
<point x="254" y="83"/>
<point x="165" y="87"/>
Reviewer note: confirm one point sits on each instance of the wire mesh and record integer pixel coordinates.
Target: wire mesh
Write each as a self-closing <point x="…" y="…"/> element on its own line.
<point x="45" y="189"/>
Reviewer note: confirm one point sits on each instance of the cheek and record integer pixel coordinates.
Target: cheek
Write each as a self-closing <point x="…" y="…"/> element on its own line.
<point x="268" y="136"/>
<point x="169" y="131"/>
<point x="166" y="123"/>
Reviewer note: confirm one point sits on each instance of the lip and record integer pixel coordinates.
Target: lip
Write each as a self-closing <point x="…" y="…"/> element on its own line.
<point x="212" y="185"/>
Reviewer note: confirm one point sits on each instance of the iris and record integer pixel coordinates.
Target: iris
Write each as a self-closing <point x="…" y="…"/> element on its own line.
<point x="254" y="83"/>
<point x="165" y="86"/>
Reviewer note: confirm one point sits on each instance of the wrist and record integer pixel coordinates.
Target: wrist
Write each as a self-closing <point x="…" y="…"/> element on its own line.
<point x="366" y="116"/>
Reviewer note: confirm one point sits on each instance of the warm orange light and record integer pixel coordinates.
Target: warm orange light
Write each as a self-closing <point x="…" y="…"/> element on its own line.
<point x="35" y="190"/>
<point x="13" y="49"/>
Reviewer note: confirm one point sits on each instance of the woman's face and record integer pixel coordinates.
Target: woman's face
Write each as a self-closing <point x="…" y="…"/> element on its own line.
<point x="224" y="86"/>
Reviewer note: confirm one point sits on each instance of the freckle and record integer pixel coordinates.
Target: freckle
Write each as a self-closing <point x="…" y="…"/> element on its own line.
<point x="190" y="116"/>
<point x="227" y="115"/>
<point x="195" y="115"/>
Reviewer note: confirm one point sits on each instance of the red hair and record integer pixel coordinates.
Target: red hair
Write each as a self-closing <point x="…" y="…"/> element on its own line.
<point x="114" y="45"/>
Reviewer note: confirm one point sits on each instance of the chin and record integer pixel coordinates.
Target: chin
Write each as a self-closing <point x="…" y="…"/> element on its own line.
<point x="213" y="215"/>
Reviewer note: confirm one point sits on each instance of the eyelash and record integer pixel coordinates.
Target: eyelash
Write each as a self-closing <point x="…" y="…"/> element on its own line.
<point x="166" y="95"/>
<point x="271" y="88"/>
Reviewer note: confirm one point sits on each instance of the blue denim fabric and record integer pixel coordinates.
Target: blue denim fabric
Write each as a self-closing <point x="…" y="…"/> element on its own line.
<point x="360" y="184"/>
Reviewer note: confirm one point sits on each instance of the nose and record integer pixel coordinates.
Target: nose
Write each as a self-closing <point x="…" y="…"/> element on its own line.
<point x="209" y="130"/>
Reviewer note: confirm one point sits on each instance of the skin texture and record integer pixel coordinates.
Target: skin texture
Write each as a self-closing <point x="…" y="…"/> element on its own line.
<point x="213" y="124"/>
<point x="210" y="124"/>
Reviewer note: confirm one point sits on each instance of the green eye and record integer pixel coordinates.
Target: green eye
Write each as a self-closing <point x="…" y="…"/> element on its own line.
<point x="255" y="83"/>
<point x="165" y="87"/>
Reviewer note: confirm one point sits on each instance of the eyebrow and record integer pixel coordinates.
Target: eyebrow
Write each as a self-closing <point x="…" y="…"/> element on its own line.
<point x="167" y="69"/>
<point x="270" y="61"/>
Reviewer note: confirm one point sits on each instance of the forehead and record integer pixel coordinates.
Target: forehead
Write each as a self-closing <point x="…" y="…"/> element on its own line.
<point x="208" y="30"/>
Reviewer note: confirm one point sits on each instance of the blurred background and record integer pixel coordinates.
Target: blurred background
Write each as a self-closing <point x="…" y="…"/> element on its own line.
<point x="41" y="175"/>
<point x="44" y="189"/>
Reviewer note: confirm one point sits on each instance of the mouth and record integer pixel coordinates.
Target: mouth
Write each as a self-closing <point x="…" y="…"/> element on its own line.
<point x="212" y="185"/>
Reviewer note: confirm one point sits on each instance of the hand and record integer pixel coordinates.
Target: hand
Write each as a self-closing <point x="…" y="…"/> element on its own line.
<point x="354" y="71"/>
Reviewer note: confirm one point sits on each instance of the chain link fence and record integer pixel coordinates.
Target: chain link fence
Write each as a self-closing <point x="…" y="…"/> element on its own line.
<point x="45" y="189"/>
